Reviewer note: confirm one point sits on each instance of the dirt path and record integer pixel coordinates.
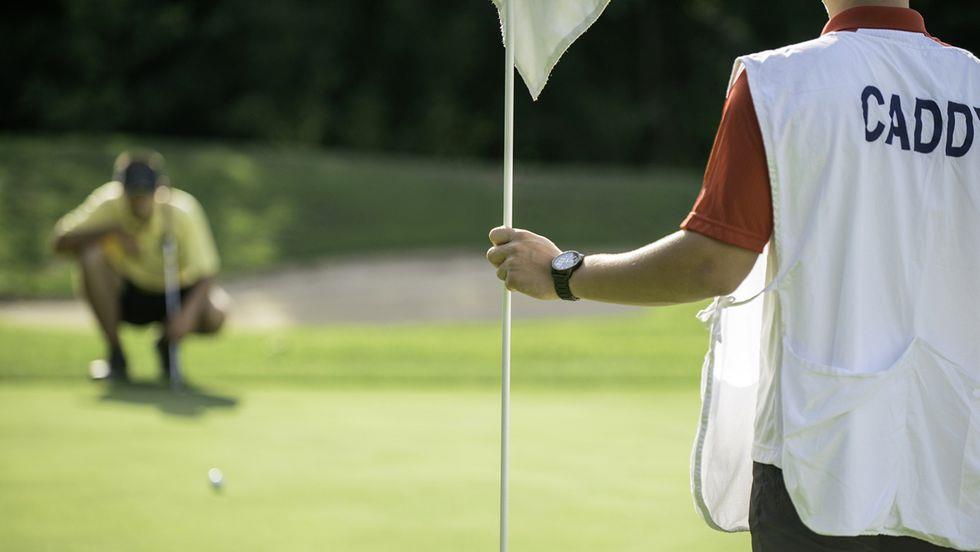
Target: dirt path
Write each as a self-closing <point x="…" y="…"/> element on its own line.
<point x="385" y="289"/>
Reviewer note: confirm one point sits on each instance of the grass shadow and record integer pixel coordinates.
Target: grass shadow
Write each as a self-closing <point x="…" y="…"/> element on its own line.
<point x="191" y="401"/>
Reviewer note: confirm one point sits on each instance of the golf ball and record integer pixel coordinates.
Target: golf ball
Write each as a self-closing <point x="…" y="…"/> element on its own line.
<point x="216" y="477"/>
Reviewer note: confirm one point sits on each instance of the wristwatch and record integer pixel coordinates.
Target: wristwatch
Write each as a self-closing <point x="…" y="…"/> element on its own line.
<point x="562" y="268"/>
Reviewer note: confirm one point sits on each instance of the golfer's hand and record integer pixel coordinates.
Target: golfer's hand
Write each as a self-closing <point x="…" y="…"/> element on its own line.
<point x="523" y="261"/>
<point x="180" y="326"/>
<point x="127" y="242"/>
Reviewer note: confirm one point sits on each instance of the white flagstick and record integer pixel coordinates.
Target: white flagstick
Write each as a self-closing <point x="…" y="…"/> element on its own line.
<point x="508" y="222"/>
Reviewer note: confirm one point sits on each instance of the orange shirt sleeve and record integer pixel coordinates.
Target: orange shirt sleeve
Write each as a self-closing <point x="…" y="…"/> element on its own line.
<point x="735" y="204"/>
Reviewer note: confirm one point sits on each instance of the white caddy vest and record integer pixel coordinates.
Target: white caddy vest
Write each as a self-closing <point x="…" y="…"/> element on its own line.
<point x="873" y="147"/>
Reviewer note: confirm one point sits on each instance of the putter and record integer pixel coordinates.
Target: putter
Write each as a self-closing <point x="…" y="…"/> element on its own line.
<point x="171" y="282"/>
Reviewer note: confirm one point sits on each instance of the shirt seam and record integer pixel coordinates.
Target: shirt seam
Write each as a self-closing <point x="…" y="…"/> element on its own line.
<point x="695" y="216"/>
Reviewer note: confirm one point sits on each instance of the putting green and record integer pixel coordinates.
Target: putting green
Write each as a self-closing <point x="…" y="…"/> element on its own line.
<point x="359" y="439"/>
<point x="86" y="467"/>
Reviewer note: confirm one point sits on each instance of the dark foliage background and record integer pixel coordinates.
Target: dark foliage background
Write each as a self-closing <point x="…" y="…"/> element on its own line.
<point x="416" y="76"/>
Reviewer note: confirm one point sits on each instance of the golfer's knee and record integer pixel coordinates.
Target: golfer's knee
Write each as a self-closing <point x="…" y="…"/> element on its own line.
<point x="212" y="321"/>
<point x="95" y="268"/>
<point x="216" y="313"/>
<point x="91" y="258"/>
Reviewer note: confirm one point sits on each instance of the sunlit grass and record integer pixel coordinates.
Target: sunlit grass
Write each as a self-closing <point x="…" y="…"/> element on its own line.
<point x="358" y="438"/>
<point x="653" y="348"/>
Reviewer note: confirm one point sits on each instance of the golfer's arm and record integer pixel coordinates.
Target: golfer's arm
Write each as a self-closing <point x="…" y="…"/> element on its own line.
<point x="73" y="242"/>
<point x="680" y="268"/>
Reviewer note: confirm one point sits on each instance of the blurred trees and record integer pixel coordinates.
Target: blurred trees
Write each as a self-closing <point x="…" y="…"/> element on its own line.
<point x="420" y="76"/>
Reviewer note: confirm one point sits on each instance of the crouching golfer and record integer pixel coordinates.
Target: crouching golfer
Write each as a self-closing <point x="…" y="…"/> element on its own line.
<point x="856" y="158"/>
<point x="117" y="236"/>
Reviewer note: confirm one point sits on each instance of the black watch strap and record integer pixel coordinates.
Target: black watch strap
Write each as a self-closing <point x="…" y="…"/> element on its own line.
<point x="562" y="287"/>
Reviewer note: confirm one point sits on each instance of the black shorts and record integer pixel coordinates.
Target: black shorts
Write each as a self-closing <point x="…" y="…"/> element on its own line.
<point x="140" y="307"/>
<point x="776" y="527"/>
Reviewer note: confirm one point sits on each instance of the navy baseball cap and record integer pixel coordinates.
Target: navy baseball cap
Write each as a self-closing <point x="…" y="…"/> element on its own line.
<point x="140" y="178"/>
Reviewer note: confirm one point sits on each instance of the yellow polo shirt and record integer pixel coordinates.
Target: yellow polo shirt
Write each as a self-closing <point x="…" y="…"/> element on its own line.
<point x="107" y="206"/>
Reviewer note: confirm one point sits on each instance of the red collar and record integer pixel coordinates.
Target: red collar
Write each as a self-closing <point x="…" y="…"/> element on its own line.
<point x="877" y="17"/>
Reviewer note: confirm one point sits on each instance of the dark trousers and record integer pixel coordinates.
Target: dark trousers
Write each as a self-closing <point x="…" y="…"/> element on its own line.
<point x="776" y="527"/>
<point x="140" y="307"/>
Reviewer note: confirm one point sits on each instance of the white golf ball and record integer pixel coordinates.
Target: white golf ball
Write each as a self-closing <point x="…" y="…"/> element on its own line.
<point x="215" y="477"/>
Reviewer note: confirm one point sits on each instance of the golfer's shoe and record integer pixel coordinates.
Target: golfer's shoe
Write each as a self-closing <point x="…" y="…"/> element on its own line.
<point x="114" y="369"/>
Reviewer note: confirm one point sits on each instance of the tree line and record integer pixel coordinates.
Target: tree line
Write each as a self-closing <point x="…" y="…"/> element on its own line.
<point x="645" y="85"/>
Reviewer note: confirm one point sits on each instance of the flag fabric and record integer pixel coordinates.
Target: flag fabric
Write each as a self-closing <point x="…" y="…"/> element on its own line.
<point x="544" y="30"/>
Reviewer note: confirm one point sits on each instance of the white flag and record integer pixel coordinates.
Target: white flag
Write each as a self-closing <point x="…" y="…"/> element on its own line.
<point x="545" y="29"/>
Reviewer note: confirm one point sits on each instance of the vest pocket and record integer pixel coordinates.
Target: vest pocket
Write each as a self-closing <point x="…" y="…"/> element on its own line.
<point x="893" y="449"/>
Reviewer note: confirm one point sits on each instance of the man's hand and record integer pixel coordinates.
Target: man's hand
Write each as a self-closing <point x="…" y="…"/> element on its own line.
<point x="181" y="325"/>
<point x="523" y="261"/>
<point x="126" y="241"/>
<point x="192" y="306"/>
<point x="75" y="242"/>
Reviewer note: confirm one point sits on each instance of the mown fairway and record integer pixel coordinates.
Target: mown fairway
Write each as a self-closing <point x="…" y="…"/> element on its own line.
<point x="358" y="438"/>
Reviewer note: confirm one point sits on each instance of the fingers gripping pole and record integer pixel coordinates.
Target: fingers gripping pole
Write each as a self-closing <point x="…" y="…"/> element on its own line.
<point x="508" y="222"/>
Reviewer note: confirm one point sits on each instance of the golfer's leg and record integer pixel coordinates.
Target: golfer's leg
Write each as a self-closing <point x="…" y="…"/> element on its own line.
<point x="776" y="527"/>
<point x="102" y="287"/>
<point x="214" y="311"/>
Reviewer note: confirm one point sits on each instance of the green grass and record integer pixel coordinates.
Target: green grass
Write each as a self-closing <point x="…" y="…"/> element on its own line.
<point x="269" y="205"/>
<point x="655" y="348"/>
<point x="349" y="470"/>
<point x="359" y="439"/>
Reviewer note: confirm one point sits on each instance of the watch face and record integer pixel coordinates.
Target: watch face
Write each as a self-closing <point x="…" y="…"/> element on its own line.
<point x="566" y="260"/>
